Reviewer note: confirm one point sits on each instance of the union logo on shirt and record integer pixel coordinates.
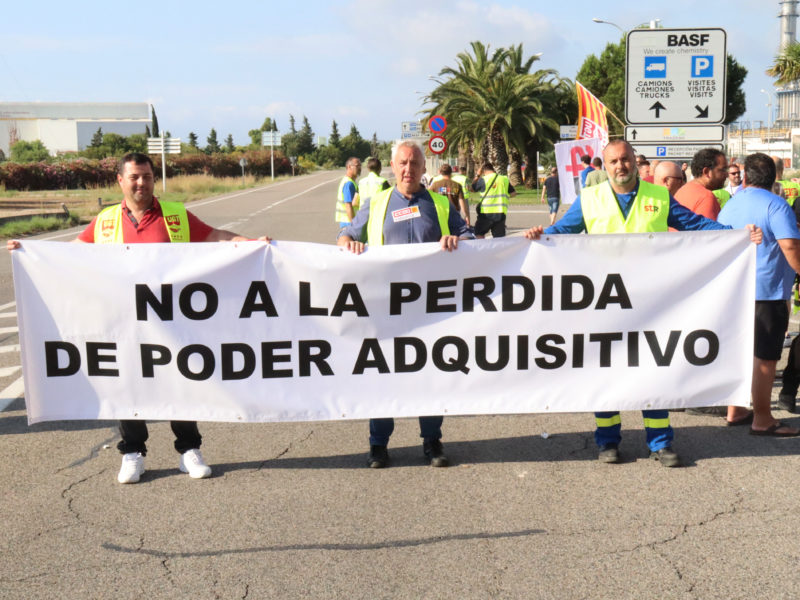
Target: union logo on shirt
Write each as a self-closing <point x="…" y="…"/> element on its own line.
<point x="650" y="208"/>
<point x="106" y="227"/>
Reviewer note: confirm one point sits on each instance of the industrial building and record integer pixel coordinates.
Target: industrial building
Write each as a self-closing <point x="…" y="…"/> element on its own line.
<point x="69" y="126"/>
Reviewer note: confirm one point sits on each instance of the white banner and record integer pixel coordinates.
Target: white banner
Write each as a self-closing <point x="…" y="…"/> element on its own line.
<point x="568" y="162"/>
<point x="301" y="332"/>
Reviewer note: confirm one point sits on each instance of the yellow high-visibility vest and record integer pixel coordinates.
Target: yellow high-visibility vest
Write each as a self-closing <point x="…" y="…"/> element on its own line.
<point x="379" y="204"/>
<point x="341" y="211"/>
<point x="108" y="225"/>
<point x="602" y="214"/>
<point x="369" y="186"/>
<point x="790" y="189"/>
<point x="495" y="197"/>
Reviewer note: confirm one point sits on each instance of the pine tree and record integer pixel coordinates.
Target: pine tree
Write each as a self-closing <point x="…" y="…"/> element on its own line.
<point x="97" y="138"/>
<point x="213" y="145"/>
<point x="229" y="143"/>
<point x="334" y="138"/>
<point x="292" y="128"/>
<point x="193" y="139"/>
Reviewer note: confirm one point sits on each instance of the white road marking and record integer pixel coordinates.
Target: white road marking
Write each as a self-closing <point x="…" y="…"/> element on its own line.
<point x="12" y="348"/>
<point x="6" y="371"/>
<point x="258" y="189"/>
<point x="7" y="315"/>
<point x="11" y="393"/>
<point x="9" y="329"/>
<point x="8" y="305"/>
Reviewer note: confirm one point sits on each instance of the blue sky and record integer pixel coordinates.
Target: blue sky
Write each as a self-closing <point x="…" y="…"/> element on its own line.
<point x="230" y="65"/>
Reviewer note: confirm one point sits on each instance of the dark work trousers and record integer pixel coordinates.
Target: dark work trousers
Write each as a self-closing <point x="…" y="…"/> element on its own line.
<point x="134" y="435"/>
<point x="791" y="374"/>
<point x="381" y="429"/>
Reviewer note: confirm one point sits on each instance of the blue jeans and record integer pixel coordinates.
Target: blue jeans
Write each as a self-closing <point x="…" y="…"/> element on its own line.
<point x="656" y="424"/>
<point x="381" y="429"/>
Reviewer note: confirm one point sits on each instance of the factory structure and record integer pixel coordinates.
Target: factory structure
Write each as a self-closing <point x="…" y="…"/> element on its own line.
<point x="69" y="126"/>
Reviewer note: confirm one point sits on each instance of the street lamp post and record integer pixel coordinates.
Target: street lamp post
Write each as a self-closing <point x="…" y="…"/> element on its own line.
<point x="769" y="116"/>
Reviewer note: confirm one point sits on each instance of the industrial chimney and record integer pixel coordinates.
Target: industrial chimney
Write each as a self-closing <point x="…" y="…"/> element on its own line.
<point x="788" y="96"/>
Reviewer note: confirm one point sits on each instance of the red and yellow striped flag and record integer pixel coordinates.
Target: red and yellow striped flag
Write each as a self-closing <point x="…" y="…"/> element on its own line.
<point x="592" y="121"/>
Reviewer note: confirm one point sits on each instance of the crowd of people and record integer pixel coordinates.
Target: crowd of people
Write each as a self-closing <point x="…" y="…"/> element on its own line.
<point x="620" y="194"/>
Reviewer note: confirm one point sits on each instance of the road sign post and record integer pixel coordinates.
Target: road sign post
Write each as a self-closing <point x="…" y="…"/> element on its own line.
<point x="163" y="145"/>
<point x="675" y="76"/>
<point x="271" y="138"/>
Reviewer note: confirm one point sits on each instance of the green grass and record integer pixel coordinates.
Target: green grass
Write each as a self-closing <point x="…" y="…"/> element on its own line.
<point x="35" y="225"/>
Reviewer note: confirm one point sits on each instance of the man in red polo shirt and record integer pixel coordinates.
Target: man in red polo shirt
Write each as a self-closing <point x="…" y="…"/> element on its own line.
<point x="142" y="219"/>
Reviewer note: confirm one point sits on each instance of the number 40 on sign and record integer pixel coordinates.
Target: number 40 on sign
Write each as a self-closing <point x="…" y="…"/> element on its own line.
<point x="437" y="144"/>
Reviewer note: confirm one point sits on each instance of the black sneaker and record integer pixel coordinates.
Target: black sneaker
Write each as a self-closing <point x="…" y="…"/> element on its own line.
<point x="378" y="457"/>
<point x="667" y="457"/>
<point x="609" y="453"/>
<point x="434" y="452"/>
<point x="787" y="402"/>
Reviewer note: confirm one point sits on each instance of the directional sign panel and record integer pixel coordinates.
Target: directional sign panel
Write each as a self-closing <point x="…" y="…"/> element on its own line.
<point x="675" y="76"/>
<point x="675" y="133"/>
<point x="410" y="127"/>
<point x="672" y="151"/>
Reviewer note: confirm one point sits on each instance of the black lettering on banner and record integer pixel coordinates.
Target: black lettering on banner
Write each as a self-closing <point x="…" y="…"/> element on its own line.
<point x="605" y="340"/>
<point x="633" y="348"/>
<point x="663" y="359"/>
<point x="455" y="363"/>
<point x="577" y="350"/>
<point x="480" y="289"/>
<point x="437" y="293"/>
<point x="94" y="358"/>
<point x="503" y="354"/>
<point x="229" y="353"/>
<point x="211" y="298"/>
<point x="205" y="354"/>
<point x="306" y="356"/>
<point x="400" y="292"/>
<point x="258" y="299"/>
<point x="547" y="292"/>
<point x="508" y="283"/>
<point x="145" y="297"/>
<point x="153" y="355"/>
<point x="51" y="350"/>
<point x="568" y="301"/>
<point x="306" y="310"/>
<point x="370" y="347"/>
<point x="548" y="345"/>
<point x="608" y="296"/>
<point x="522" y="352"/>
<point x="269" y="358"/>
<point x="349" y="291"/>
<point x="401" y="361"/>
<point x="690" y="347"/>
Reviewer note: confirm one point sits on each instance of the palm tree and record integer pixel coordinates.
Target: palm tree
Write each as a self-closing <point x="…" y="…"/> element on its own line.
<point x="787" y="65"/>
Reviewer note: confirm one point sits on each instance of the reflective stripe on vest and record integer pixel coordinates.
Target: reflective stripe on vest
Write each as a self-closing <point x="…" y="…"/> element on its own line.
<point x="602" y="214"/>
<point x="369" y="186"/>
<point x="656" y="423"/>
<point x="341" y="211"/>
<point x="108" y="226"/>
<point x="791" y="190"/>
<point x="495" y="200"/>
<point x="379" y="204"/>
<point x="462" y="181"/>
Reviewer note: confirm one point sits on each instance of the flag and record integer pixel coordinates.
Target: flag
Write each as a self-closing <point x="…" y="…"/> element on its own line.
<point x="592" y="121"/>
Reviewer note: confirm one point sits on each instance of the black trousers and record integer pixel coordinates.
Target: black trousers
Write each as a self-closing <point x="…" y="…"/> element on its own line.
<point x="791" y="374"/>
<point x="134" y="435"/>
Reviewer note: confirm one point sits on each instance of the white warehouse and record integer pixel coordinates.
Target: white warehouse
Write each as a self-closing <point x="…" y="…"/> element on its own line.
<point x="69" y="126"/>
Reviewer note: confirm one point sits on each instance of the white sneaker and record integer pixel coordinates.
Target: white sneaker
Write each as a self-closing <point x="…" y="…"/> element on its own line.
<point x="132" y="467"/>
<point x="192" y="463"/>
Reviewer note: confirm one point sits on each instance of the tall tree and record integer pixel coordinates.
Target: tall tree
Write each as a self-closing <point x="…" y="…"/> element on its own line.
<point x="735" y="104"/>
<point x="786" y="67"/>
<point x="305" y="139"/>
<point x="354" y="145"/>
<point x="154" y="121"/>
<point x="292" y="128"/>
<point x="335" y="137"/>
<point x="229" y="146"/>
<point x="604" y="76"/>
<point x="97" y="138"/>
<point x="212" y="143"/>
<point x="193" y="139"/>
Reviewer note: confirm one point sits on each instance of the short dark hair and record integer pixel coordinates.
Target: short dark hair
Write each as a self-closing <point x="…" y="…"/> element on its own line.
<point x="446" y="170"/>
<point x="705" y="159"/>
<point x="586" y="159"/>
<point x="597" y="161"/>
<point x="374" y="165"/>
<point x="759" y="171"/>
<point x="136" y="158"/>
<point x="644" y="163"/>
<point x="487" y="166"/>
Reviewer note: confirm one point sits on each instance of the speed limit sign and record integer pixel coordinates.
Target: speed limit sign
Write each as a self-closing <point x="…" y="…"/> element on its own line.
<point x="437" y="144"/>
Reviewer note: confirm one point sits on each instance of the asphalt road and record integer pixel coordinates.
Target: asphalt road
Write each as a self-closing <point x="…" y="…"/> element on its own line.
<point x="292" y="512"/>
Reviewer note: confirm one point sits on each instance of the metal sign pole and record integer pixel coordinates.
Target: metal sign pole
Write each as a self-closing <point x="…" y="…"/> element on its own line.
<point x="272" y="155"/>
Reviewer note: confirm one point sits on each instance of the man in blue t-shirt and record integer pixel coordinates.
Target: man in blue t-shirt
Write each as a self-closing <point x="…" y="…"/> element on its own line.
<point x="777" y="260"/>
<point x="588" y="168"/>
